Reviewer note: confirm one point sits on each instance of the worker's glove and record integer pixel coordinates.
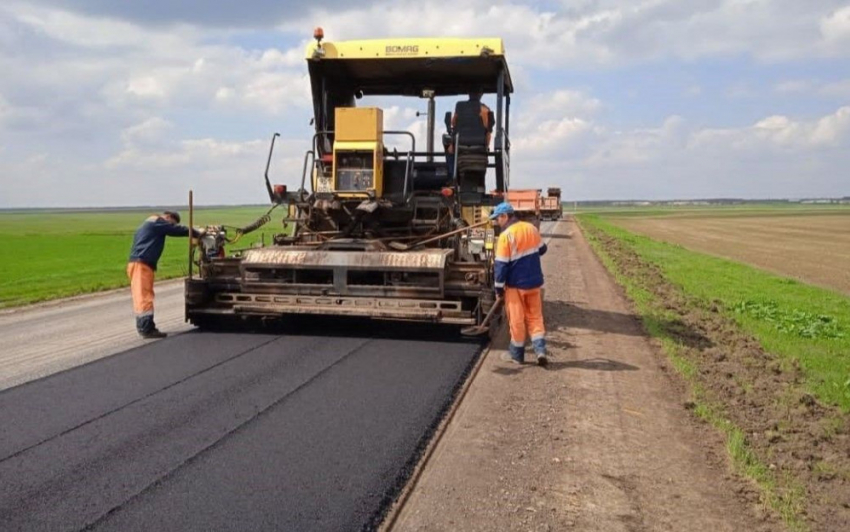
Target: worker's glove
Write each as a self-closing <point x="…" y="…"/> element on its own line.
<point x="500" y="293"/>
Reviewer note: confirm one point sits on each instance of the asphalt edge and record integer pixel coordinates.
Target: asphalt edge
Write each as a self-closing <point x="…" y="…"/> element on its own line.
<point x="395" y="510"/>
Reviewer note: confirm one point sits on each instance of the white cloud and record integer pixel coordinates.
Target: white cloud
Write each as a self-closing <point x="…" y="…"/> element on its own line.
<point x="205" y="153"/>
<point x="562" y="102"/>
<point x="146" y="87"/>
<point x="275" y="91"/>
<point x="148" y="132"/>
<point x="557" y="121"/>
<point x="777" y="156"/>
<point x="154" y="68"/>
<point x="836" y="26"/>
<point x="220" y="172"/>
<point x="813" y="87"/>
<point x="639" y="146"/>
<point x="548" y="136"/>
<point x="779" y="132"/>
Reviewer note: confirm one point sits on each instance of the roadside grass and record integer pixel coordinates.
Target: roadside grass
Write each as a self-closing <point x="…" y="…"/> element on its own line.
<point x="769" y="308"/>
<point x="48" y="255"/>
<point x="796" y="321"/>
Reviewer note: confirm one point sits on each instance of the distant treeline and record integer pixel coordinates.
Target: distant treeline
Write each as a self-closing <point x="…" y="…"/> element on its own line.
<point x="711" y="201"/>
<point x="583" y="203"/>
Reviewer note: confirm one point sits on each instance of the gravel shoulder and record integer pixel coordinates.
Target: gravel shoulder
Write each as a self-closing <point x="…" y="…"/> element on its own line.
<point x="600" y="440"/>
<point x="45" y="338"/>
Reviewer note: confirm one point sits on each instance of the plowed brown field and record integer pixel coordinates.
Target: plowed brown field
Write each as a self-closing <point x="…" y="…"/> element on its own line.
<point x="812" y="248"/>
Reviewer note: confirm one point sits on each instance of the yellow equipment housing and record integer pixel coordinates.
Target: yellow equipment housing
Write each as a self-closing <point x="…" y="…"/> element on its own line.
<point x="358" y="152"/>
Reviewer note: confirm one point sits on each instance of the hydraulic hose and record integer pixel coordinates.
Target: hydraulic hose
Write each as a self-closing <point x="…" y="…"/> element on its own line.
<point x="253" y="226"/>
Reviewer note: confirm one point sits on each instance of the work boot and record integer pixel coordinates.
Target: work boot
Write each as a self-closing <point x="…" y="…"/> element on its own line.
<point x="153" y="334"/>
<point x="542" y="360"/>
<point x="507" y="357"/>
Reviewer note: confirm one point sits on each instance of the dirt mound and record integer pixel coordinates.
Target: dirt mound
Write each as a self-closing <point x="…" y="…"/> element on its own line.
<point x="801" y="447"/>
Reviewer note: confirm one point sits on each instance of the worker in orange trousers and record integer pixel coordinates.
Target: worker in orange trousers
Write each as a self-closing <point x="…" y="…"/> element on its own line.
<point x="519" y="280"/>
<point x="148" y="244"/>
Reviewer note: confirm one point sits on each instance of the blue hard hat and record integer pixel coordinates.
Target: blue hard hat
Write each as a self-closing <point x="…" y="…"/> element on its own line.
<point x="502" y="208"/>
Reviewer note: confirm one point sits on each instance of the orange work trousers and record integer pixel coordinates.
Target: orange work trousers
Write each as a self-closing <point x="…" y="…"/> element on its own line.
<point x="525" y="318"/>
<point x="141" y="286"/>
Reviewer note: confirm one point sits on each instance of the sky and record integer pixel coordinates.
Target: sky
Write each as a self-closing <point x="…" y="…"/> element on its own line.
<point x="121" y="102"/>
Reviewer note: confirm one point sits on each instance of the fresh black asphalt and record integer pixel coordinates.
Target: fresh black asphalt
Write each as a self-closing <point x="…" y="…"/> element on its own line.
<point x="229" y="431"/>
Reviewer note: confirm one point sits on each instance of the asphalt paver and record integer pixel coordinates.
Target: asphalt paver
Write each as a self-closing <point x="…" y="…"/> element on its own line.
<point x="305" y="430"/>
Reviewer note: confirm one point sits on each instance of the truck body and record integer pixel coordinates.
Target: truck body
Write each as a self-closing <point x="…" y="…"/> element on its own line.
<point x="526" y="204"/>
<point x="551" y="208"/>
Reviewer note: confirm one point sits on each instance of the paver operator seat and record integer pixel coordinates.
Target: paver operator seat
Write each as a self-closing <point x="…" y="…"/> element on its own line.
<point x="472" y="138"/>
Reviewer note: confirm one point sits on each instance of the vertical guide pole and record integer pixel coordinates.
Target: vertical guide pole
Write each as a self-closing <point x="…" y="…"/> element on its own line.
<point x="191" y="232"/>
<point x="500" y="94"/>
<point x="432" y="111"/>
<point x="502" y="179"/>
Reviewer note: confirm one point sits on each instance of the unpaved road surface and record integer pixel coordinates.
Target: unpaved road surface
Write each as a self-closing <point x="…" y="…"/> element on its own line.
<point x="811" y="248"/>
<point x="599" y="441"/>
<point x="46" y="338"/>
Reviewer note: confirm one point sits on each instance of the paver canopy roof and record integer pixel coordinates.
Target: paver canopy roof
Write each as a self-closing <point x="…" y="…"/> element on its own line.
<point x="407" y="67"/>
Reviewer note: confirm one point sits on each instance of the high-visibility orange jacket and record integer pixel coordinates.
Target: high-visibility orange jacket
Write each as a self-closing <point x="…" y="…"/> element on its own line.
<point x="518" y="253"/>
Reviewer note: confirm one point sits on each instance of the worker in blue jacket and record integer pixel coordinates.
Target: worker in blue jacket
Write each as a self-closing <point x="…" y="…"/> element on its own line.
<point x="148" y="244"/>
<point x="519" y="279"/>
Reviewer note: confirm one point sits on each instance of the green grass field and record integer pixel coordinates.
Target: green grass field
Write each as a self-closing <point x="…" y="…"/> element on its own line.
<point x="794" y="320"/>
<point x="48" y="255"/>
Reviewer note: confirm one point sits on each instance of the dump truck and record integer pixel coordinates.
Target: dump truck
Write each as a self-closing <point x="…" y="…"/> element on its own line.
<point x="526" y="204"/>
<point x="377" y="231"/>
<point x="550" y="208"/>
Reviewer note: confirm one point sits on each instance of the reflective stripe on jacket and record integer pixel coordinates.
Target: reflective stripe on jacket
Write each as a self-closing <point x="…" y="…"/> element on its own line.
<point x="518" y="254"/>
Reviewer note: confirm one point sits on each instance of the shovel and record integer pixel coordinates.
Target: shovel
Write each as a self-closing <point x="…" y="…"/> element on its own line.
<point x="398" y="246"/>
<point x="484" y="328"/>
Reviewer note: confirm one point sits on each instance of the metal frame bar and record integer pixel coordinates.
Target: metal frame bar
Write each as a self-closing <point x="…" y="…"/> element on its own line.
<point x="304" y="171"/>
<point x="191" y="229"/>
<point x="268" y="164"/>
<point x="435" y="310"/>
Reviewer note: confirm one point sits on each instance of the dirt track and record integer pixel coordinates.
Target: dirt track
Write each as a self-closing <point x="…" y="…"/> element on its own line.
<point x="814" y="249"/>
<point x="599" y="441"/>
